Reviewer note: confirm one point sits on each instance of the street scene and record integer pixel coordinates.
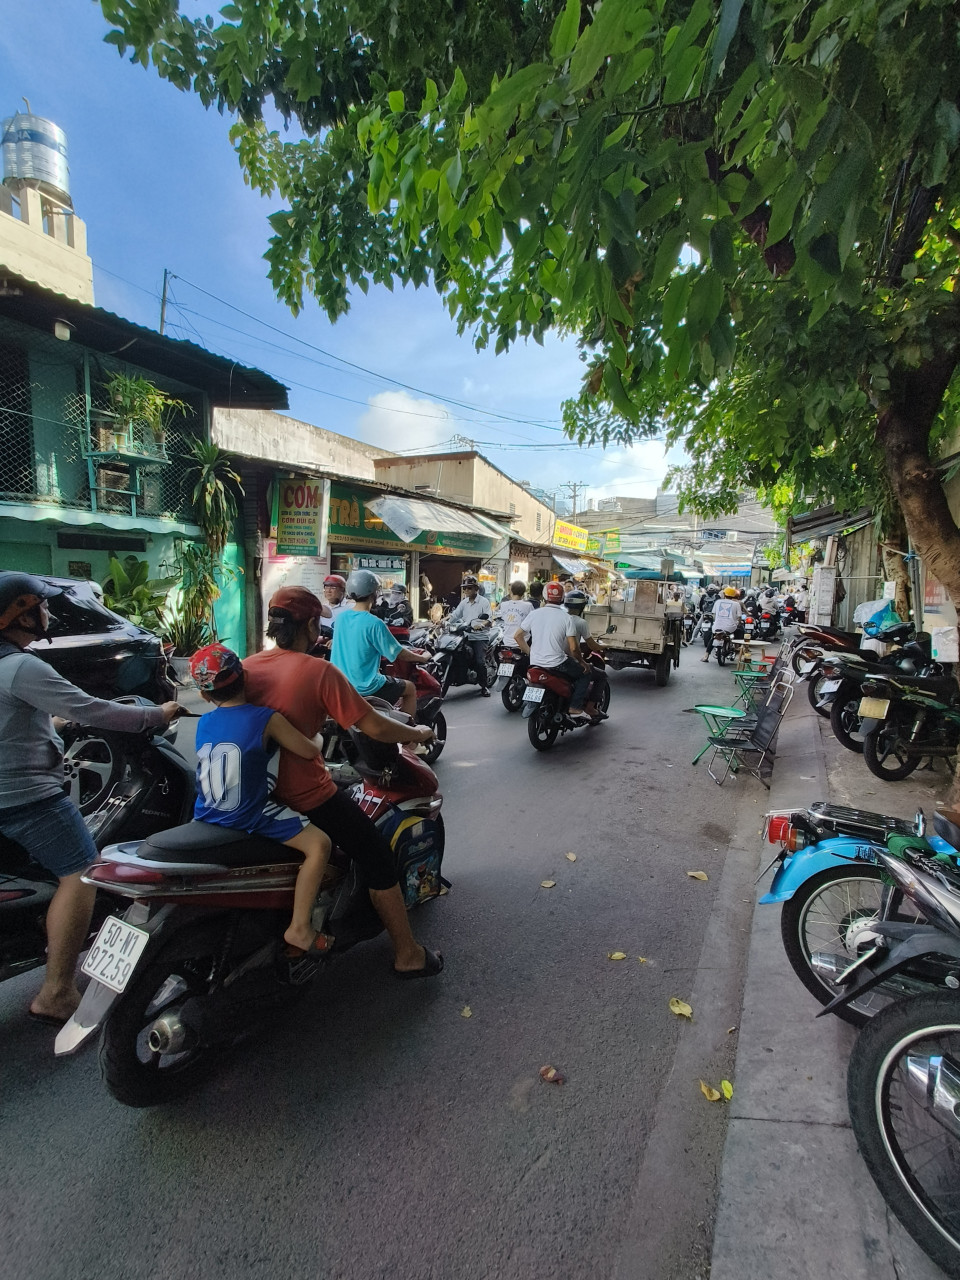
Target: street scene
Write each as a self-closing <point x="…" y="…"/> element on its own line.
<point x="479" y="652"/>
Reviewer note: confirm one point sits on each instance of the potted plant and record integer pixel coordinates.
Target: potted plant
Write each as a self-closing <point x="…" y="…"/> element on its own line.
<point x="216" y="489"/>
<point x="131" y="592"/>
<point x="135" y="399"/>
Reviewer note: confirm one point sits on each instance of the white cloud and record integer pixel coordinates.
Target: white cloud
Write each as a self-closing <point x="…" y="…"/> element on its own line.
<point x="633" y="472"/>
<point x="399" y="421"/>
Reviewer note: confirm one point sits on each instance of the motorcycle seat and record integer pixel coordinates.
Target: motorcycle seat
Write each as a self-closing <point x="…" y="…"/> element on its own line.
<point x="220" y="846"/>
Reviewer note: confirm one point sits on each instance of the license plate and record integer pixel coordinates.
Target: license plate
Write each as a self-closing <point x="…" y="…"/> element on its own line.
<point x="505" y="669"/>
<point x="829" y="686"/>
<point x="874" y="708"/>
<point x="533" y="693"/>
<point x="113" y="957"/>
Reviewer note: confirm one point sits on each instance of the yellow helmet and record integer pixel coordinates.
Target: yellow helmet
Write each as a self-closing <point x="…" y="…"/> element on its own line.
<point x="731" y="592"/>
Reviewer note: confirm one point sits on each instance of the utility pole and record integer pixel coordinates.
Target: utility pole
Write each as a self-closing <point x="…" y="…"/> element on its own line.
<point x="163" y="300"/>
<point x="575" y="487"/>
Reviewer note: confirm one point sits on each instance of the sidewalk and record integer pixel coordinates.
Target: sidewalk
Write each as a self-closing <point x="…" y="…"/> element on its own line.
<point x="796" y="1201"/>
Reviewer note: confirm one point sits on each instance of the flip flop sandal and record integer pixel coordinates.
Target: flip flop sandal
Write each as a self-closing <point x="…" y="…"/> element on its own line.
<point x="321" y="944"/>
<point x="433" y="964"/>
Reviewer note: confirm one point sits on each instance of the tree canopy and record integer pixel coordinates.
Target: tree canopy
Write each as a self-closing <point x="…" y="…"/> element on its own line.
<point x="747" y="211"/>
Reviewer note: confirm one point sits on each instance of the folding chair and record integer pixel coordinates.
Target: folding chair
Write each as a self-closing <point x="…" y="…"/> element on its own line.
<point x="752" y="745"/>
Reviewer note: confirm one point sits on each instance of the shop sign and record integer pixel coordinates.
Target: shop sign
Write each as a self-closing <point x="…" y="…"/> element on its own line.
<point x="604" y="542"/>
<point x="379" y="562"/>
<point x="455" y="544"/>
<point x="301" y="501"/>
<point x="353" y="524"/>
<point x="569" y="537"/>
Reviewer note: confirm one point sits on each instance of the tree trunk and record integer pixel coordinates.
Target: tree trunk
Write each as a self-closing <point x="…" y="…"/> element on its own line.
<point x="895" y="570"/>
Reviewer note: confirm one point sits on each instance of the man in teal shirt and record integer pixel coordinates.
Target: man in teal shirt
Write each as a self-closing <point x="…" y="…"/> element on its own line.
<point x="361" y="640"/>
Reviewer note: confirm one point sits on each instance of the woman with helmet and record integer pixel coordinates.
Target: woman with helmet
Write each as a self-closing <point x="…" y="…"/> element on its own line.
<point x="309" y="692"/>
<point x="726" y="618"/>
<point x="549" y="636"/>
<point x="472" y="610"/>
<point x="361" y="640"/>
<point x="34" y="812"/>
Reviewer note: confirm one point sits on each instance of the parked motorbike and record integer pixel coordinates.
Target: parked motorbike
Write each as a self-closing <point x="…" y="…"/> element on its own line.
<point x="546" y="705"/>
<point x="815" y="640"/>
<point x="126" y="787"/>
<point x="820" y="691"/>
<point x="452" y="662"/>
<point x="512" y="667"/>
<point x="196" y="962"/>
<point x="838" y="687"/>
<point x="830" y="883"/>
<point x="905" y="719"/>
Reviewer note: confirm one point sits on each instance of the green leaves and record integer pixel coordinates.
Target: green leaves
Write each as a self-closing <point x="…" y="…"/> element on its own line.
<point x="565" y="30"/>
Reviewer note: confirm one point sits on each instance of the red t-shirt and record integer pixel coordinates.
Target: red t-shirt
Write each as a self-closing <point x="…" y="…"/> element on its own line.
<point x="307" y="691"/>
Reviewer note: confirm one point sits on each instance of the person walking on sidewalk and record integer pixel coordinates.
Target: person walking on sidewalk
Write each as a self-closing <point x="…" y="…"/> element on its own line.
<point x="34" y="812"/>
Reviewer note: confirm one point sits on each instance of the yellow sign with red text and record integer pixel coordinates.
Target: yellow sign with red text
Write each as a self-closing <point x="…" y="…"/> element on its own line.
<point x="569" y="537"/>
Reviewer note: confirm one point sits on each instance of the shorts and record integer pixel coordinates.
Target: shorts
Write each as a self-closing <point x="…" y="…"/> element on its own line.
<point x="351" y="830"/>
<point x="390" y="691"/>
<point x="52" y="833"/>
<point x="277" y="822"/>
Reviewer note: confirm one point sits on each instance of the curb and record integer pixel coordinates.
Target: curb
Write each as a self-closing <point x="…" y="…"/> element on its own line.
<point x="795" y="1201"/>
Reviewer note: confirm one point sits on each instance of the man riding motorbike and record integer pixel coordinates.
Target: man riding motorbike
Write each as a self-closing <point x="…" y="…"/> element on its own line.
<point x="512" y="610"/>
<point x="334" y="591"/>
<point x="361" y="640"/>
<point x="394" y="607"/>
<point x="34" y="812"/>
<point x="307" y="692"/>
<point x="575" y="602"/>
<point x="553" y="645"/>
<point x="471" y="611"/>
<point x="726" y="618"/>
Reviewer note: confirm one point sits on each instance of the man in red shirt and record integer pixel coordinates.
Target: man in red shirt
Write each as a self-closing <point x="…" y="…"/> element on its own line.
<point x="307" y="691"/>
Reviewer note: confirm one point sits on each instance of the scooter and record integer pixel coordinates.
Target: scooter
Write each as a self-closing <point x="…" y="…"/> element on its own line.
<point x="126" y="786"/>
<point x="196" y="962"/>
<point x="452" y="662"/>
<point x="512" y="669"/>
<point x="546" y="705"/>
<point x="429" y="694"/>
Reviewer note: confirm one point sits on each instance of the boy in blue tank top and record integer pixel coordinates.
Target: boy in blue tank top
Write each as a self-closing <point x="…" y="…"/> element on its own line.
<point x="234" y="745"/>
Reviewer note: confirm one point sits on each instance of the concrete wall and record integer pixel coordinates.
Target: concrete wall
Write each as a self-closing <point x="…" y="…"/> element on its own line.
<point x="50" y="251"/>
<point x="289" y="443"/>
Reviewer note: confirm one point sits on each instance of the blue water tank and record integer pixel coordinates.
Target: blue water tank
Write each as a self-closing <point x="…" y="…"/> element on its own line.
<point x="34" y="151"/>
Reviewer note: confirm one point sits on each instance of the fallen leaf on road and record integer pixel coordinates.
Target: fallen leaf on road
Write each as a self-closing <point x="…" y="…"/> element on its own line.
<point x="727" y="1088"/>
<point x="616" y="955"/>
<point x="708" y="1091"/>
<point x="547" y="884"/>
<point x="443" y="890"/>
<point x="571" y="857"/>
<point x="642" y="959"/>
<point x="680" y="1008"/>
<point x="731" y="1030"/>
<point x="551" y="1075"/>
<point x="698" y="875"/>
<point x="466" y="1012"/>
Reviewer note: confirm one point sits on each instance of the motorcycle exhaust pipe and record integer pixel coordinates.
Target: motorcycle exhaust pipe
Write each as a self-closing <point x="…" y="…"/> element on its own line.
<point x="169" y="1035"/>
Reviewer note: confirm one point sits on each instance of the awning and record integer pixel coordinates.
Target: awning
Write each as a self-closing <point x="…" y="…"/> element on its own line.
<point x="570" y="565"/>
<point x="826" y="520"/>
<point x="409" y="517"/>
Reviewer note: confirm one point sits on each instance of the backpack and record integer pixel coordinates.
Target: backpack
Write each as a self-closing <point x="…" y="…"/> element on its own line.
<point x="417" y="843"/>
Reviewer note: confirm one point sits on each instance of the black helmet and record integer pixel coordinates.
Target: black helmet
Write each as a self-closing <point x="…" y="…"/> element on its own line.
<point x="20" y="593"/>
<point x="576" y="599"/>
<point x="470" y="581"/>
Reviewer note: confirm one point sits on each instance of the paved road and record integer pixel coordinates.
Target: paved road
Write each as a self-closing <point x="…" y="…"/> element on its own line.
<point x="382" y="1134"/>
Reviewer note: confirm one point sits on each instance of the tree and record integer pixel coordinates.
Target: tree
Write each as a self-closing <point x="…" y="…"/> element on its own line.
<point x="747" y="212"/>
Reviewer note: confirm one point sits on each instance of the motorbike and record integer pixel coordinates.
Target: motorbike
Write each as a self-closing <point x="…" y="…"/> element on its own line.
<point x="905" y="719"/>
<point x="546" y="705"/>
<point x="126" y="786"/>
<point x="830" y="883"/>
<point x="452" y="662"/>
<point x="837" y="687"/>
<point x="814" y="640"/>
<point x="768" y="623"/>
<point x="429" y="694"/>
<point x="512" y="667"/>
<point x="903" y="1081"/>
<point x="196" y="962"/>
<point x="819" y="690"/>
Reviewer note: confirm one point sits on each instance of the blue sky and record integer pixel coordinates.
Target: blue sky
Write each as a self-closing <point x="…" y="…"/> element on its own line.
<point x="156" y="181"/>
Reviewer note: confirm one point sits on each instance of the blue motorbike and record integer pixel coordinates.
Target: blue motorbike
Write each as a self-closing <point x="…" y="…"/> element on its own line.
<point x="831" y="886"/>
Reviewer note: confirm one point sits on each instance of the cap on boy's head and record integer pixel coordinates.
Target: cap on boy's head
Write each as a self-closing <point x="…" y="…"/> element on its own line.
<point x="298" y="602"/>
<point x="214" y="667"/>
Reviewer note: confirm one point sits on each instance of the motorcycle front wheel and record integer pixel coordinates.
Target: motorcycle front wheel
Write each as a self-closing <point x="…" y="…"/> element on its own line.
<point x="542" y="727"/>
<point x="818" y="918"/>
<point x="511" y="695"/>
<point x="902" y="1094"/>
<point x="885" y="756"/>
<point x="805" y="657"/>
<point x="132" y="1071"/>
<point x="435" y="748"/>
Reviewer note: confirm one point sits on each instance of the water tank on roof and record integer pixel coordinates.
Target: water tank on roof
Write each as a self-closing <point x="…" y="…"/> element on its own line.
<point x="35" y="153"/>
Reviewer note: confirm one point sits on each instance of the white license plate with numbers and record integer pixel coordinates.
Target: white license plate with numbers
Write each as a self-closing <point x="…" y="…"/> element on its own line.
<point x="874" y="708"/>
<point x="829" y="686"/>
<point x="533" y="693"/>
<point x="505" y="669"/>
<point x="114" y="955"/>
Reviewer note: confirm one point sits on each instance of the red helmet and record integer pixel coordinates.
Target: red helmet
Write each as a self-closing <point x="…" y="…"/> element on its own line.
<point x="215" y="666"/>
<point x="553" y="592"/>
<point x="335" y="580"/>
<point x="298" y="602"/>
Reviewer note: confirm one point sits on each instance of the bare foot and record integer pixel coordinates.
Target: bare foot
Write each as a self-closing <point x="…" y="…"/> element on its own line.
<point x="58" y="1007"/>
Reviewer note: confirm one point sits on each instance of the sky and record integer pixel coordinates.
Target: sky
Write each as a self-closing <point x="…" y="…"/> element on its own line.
<point x="155" y="179"/>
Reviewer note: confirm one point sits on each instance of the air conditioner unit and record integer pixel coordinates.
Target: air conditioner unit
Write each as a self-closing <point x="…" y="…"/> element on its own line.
<point x="114" y="489"/>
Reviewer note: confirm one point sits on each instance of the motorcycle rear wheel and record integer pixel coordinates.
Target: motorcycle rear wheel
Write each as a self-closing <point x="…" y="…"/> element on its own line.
<point x="133" y="1073"/>
<point x="845" y="718"/>
<point x="912" y="1155"/>
<point x="883" y="745"/>
<point x="511" y="695"/>
<point x="435" y="748"/>
<point x="817" y="918"/>
<point x="542" y="728"/>
<point x="813" y="694"/>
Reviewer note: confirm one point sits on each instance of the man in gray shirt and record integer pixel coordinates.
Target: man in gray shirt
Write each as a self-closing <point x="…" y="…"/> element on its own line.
<point x="34" y="811"/>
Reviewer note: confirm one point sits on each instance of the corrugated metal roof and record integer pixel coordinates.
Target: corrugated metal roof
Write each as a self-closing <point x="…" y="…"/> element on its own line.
<point x="224" y="381"/>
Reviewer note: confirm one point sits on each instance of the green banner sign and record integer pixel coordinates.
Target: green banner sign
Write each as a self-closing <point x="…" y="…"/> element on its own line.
<point x="353" y="524"/>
